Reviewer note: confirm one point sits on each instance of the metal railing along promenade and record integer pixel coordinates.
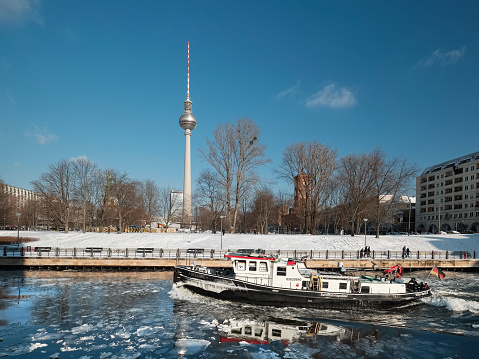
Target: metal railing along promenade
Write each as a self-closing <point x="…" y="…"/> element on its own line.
<point x="99" y="252"/>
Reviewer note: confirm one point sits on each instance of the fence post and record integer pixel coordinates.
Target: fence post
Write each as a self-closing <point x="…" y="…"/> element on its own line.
<point x="432" y="255"/>
<point x="212" y="253"/>
<point x="447" y="254"/>
<point x="389" y="255"/>
<point x="373" y="255"/>
<point x="126" y="253"/>
<point x="418" y="255"/>
<point x="342" y="254"/>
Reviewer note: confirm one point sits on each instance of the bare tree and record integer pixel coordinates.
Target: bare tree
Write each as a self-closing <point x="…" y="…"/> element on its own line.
<point x="127" y="196"/>
<point x="264" y="209"/>
<point x="169" y="206"/>
<point x="316" y="164"/>
<point x="151" y="199"/>
<point x="356" y="180"/>
<point x="390" y="177"/>
<point x="55" y="188"/>
<point x="209" y="195"/>
<point x="84" y="172"/>
<point x="235" y="153"/>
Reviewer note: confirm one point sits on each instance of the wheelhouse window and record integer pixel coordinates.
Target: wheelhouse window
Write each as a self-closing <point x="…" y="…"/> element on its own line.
<point x="252" y="266"/>
<point x="241" y="265"/>
<point x="276" y="332"/>
<point x="343" y="285"/>
<point x="263" y="266"/>
<point x="364" y="289"/>
<point x="325" y="285"/>
<point x="281" y="271"/>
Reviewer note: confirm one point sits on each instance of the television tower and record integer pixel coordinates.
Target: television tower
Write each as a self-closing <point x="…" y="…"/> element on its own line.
<point x="187" y="123"/>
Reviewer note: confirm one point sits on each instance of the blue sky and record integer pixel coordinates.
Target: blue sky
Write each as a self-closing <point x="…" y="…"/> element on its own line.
<point x="107" y="80"/>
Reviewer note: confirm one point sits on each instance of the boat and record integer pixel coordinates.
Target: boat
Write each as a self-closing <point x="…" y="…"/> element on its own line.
<point x="265" y="332"/>
<point x="264" y="279"/>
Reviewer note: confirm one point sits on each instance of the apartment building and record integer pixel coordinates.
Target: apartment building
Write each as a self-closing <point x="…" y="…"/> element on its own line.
<point x="448" y="196"/>
<point x="20" y="195"/>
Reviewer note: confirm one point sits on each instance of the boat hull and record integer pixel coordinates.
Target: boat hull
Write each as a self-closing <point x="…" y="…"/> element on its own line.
<point x="237" y="290"/>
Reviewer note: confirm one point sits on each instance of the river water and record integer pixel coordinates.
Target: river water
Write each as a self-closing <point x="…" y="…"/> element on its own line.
<point x="142" y="315"/>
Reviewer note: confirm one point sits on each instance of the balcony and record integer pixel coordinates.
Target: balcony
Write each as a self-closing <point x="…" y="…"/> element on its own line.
<point x="423" y="180"/>
<point x="458" y="180"/>
<point x="448" y="182"/>
<point x="431" y="178"/>
<point x="458" y="189"/>
<point x="430" y="194"/>
<point x="457" y="206"/>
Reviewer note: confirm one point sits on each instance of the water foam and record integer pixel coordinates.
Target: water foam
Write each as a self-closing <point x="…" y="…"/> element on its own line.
<point x="455" y="304"/>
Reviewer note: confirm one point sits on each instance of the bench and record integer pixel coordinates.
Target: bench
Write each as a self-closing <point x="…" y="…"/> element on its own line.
<point x="43" y="249"/>
<point x="93" y="249"/>
<point x="144" y="250"/>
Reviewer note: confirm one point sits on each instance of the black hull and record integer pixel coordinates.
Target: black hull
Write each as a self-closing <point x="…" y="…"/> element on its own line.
<point x="237" y="290"/>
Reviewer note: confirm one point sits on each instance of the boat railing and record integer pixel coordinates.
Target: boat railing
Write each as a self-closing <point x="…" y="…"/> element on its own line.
<point x="204" y="253"/>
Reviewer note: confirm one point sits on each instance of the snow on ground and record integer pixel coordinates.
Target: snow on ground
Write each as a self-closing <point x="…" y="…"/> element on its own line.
<point x="451" y="242"/>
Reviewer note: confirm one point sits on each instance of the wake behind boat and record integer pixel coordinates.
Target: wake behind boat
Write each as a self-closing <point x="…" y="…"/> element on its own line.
<point x="268" y="280"/>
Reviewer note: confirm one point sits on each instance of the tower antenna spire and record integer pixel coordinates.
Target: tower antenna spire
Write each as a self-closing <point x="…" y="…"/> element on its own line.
<point x="188" y="77"/>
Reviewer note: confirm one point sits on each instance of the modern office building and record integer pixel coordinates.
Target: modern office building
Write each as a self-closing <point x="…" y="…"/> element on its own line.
<point x="448" y="196"/>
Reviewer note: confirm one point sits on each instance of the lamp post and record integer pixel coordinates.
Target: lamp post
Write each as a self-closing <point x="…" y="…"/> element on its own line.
<point x="365" y="220"/>
<point x="18" y="229"/>
<point x="221" y="220"/>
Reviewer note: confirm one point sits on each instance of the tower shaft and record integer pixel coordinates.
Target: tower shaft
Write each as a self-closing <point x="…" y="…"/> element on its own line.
<point x="187" y="181"/>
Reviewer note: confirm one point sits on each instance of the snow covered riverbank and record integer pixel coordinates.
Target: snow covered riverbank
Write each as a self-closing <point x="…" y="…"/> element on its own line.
<point x="451" y="242"/>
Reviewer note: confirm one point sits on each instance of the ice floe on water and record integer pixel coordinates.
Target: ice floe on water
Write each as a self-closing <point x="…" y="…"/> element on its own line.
<point x="191" y="346"/>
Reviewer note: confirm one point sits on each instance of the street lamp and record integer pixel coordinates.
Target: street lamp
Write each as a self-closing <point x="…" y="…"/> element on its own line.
<point x="221" y="220"/>
<point x="18" y="229"/>
<point x="365" y="220"/>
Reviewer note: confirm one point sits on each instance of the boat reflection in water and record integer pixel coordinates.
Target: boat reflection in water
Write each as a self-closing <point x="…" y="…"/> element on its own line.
<point x="256" y="332"/>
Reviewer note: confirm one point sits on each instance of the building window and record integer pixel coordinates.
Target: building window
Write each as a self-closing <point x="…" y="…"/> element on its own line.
<point x="465" y="215"/>
<point x="472" y="177"/>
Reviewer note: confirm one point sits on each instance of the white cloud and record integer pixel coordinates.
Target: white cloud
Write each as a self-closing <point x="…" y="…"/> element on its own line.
<point x="79" y="158"/>
<point x="332" y="96"/>
<point x="14" y="12"/>
<point x="4" y="64"/>
<point x="289" y="92"/>
<point x="44" y="139"/>
<point x="41" y="136"/>
<point x="441" y="58"/>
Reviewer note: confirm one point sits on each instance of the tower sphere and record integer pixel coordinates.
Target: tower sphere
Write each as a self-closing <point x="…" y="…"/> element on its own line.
<point x="187" y="120"/>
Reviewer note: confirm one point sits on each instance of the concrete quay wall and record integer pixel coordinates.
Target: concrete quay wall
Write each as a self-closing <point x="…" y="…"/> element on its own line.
<point x="62" y="263"/>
